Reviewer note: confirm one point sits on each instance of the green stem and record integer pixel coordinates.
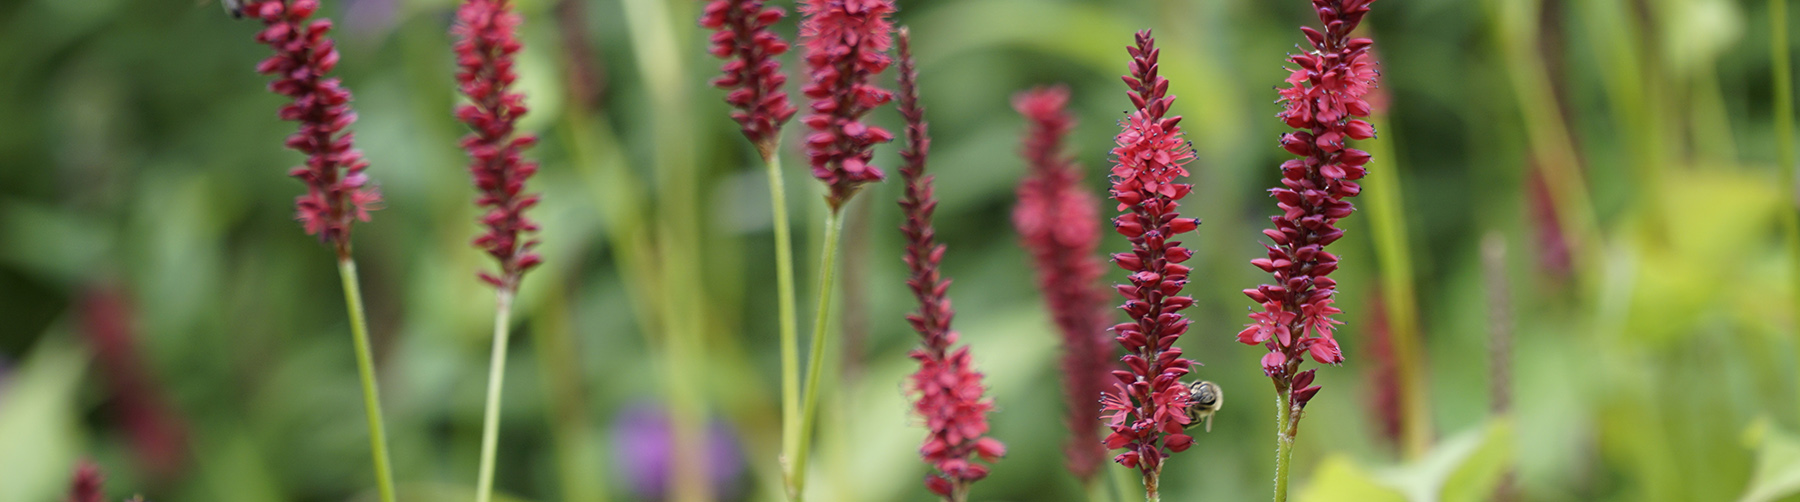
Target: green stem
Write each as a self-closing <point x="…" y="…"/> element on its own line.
<point x="1784" y="135"/>
<point x="490" y="422"/>
<point x="365" y="368"/>
<point x="1284" y="443"/>
<point x="790" y="338"/>
<point x="834" y="226"/>
<point x="1387" y="222"/>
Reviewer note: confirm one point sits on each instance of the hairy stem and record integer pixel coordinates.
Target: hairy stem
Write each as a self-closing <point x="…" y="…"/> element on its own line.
<point x="1152" y="479"/>
<point x="834" y="227"/>
<point x="790" y="338"/>
<point x="1284" y="442"/>
<point x="490" y="422"/>
<point x="365" y="369"/>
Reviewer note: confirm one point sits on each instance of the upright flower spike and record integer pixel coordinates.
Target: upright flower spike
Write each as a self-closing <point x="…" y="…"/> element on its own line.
<point x="86" y="485"/>
<point x="846" y="44"/>
<point x="486" y="45"/>
<point x="947" y="390"/>
<point x="1324" y="98"/>
<point x="337" y="190"/>
<point x="752" y="70"/>
<point x="1147" y="406"/>
<point x="1058" y="222"/>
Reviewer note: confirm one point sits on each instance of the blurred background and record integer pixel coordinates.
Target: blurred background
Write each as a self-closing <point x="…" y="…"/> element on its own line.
<point x="1566" y="281"/>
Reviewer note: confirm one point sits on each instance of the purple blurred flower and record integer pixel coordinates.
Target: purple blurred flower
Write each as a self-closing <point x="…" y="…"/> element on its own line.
<point x="644" y="451"/>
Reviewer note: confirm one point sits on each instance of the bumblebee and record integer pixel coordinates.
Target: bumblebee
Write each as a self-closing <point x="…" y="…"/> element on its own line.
<point x="234" y="7"/>
<point x="1204" y="399"/>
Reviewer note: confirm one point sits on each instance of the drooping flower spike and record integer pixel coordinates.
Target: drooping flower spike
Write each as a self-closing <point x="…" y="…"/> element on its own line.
<point x="1058" y="222"/>
<point x="486" y="46"/>
<point x="337" y="190"/>
<point x="752" y="71"/>
<point x="1324" y="99"/>
<point x="1147" y="406"/>
<point x="846" y="45"/>
<point x="947" y="390"/>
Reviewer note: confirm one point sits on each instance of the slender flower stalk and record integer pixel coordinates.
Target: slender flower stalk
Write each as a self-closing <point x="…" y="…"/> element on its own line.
<point x="947" y="390"/>
<point x="1323" y="100"/>
<point x="486" y="46"/>
<point x="845" y="43"/>
<point x="1783" y="83"/>
<point x="1058" y="222"/>
<point x="338" y="192"/>
<point x="1147" y="408"/>
<point x="752" y="72"/>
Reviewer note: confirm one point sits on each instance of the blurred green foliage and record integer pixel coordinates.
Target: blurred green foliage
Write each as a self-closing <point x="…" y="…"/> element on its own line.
<point x="140" y="153"/>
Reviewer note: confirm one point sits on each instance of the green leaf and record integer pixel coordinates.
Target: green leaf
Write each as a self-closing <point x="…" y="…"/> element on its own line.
<point x="38" y="439"/>
<point x="1777" y="472"/>
<point x="1465" y="468"/>
<point x="1339" y="479"/>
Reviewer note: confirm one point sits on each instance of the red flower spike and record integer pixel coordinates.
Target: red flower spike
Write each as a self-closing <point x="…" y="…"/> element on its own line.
<point x="337" y="191"/>
<point x="486" y="46"/>
<point x="1148" y="408"/>
<point x="845" y="43"/>
<point x="947" y="391"/>
<point x="752" y="71"/>
<point x="1058" y="223"/>
<point x="86" y="486"/>
<point x="1326" y="92"/>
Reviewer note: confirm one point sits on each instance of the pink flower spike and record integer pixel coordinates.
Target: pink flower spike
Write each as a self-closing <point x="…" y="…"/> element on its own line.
<point x="752" y="72"/>
<point x="1058" y="222"/>
<point x="486" y="46"/>
<point x="845" y="43"/>
<point x="336" y="188"/>
<point x="1325" y="96"/>
<point x="1148" y="407"/>
<point x="947" y="391"/>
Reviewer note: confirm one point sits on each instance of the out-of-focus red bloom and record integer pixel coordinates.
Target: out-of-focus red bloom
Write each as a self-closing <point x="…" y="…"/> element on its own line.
<point x="846" y="44"/>
<point x="948" y="391"/>
<point x="86" y="485"/>
<point x="752" y="70"/>
<point x="1384" y="378"/>
<point x="1059" y="223"/>
<point x="157" y="435"/>
<point x="337" y="190"/>
<point x="486" y="43"/>
<point x="1147" y="407"/>
<point x="1324" y="98"/>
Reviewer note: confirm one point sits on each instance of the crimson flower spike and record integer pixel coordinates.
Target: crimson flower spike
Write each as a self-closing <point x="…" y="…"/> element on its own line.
<point x="337" y="191"/>
<point x="1058" y="222"/>
<point x="948" y="391"/>
<point x="86" y="485"/>
<point x="1147" y="407"/>
<point x="752" y="71"/>
<point x="486" y="45"/>
<point x="846" y="44"/>
<point x="1324" y="97"/>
